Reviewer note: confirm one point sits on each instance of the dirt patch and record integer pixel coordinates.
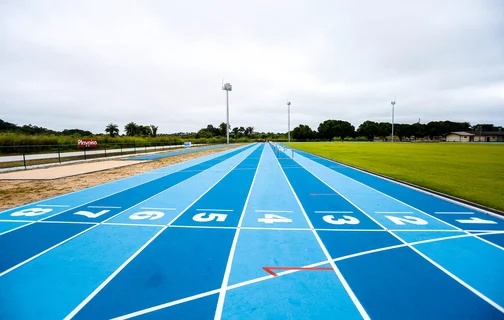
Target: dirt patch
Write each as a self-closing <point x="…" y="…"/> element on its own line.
<point x="18" y="192"/>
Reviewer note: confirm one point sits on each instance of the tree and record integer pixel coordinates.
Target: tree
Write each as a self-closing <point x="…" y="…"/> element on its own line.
<point x="222" y="129"/>
<point x="368" y="129"/>
<point x="154" y="130"/>
<point x="303" y="132"/>
<point x="330" y="129"/>
<point x="112" y="129"/>
<point x="131" y="129"/>
<point x="249" y="131"/>
<point x="236" y="131"/>
<point x="144" y="130"/>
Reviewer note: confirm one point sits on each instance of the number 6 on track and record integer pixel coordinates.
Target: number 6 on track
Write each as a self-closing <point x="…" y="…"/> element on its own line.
<point x="200" y="217"/>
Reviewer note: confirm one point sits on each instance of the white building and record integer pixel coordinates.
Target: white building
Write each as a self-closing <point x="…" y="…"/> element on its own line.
<point x="460" y="136"/>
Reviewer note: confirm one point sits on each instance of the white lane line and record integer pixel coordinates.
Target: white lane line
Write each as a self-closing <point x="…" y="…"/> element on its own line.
<point x="227" y="272"/>
<point x="283" y="273"/>
<point x="223" y="210"/>
<point x="201" y="227"/>
<point x="275" y="211"/>
<point x="394" y="212"/>
<point x="104" y="283"/>
<point x="134" y="224"/>
<point x="422" y="191"/>
<point x="53" y="205"/>
<point x="168" y="209"/>
<point x="161" y="175"/>
<point x="349" y="212"/>
<point x="166" y="305"/>
<point x="69" y="222"/>
<point x="452" y="212"/>
<point x="349" y="291"/>
<point x="104" y="207"/>
<point x="68" y="239"/>
<point x="469" y="287"/>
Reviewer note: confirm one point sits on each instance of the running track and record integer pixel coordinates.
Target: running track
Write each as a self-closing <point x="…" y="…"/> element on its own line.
<point x="254" y="232"/>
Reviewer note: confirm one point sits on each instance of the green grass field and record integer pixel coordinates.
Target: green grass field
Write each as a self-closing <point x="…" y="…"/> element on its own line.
<point x="469" y="171"/>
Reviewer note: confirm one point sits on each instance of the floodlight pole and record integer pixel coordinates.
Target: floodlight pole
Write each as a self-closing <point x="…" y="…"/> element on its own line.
<point x="393" y="104"/>
<point x="227" y="87"/>
<point x="288" y="119"/>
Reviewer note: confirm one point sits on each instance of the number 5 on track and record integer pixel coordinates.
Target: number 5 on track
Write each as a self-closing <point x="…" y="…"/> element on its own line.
<point x="273" y="218"/>
<point x="200" y="217"/>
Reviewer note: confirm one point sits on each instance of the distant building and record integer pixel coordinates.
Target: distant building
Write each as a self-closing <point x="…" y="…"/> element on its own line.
<point x="460" y="136"/>
<point x="489" y="136"/>
<point x="476" y="136"/>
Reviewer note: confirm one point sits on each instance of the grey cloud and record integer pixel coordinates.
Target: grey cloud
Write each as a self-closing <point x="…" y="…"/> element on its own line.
<point x="84" y="64"/>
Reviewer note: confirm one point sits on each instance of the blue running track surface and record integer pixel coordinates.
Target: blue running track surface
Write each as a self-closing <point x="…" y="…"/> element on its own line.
<point x="253" y="232"/>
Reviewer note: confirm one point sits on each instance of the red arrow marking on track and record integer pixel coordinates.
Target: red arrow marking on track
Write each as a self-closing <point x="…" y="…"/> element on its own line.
<point x="270" y="269"/>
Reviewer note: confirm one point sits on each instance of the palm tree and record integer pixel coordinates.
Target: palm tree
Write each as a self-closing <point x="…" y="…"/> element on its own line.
<point x="112" y="129"/>
<point x="236" y="131"/>
<point x="249" y="131"/>
<point x="154" y="130"/>
<point x="131" y="129"/>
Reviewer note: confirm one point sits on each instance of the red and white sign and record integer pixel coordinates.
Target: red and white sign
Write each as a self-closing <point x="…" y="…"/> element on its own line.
<point x="87" y="143"/>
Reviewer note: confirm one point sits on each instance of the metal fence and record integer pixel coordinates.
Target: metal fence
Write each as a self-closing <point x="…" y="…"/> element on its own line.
<point x="27" y="156"/>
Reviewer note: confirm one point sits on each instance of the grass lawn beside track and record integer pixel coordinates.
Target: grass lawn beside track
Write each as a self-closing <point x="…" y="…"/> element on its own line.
<point x="469" y="171"/>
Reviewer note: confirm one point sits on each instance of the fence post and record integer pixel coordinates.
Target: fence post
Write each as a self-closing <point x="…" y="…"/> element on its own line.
<point x="105" y="149"/>
<point x="24" y="158"/>
<point x="59" y="154"/>
<point x="85" y="158"/>
<point x="145" y="146"/>
<point x="134" y="146"/>
<point x="121" y="149"/>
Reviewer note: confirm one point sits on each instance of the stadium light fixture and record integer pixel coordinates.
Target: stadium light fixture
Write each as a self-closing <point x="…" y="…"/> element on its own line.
<point x="393" y="104"/>
<point x="227" y="87"/>
<point x="288" y="119"/>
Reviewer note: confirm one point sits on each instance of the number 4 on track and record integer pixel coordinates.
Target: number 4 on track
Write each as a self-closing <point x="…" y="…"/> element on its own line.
<point x="273" y="218"/>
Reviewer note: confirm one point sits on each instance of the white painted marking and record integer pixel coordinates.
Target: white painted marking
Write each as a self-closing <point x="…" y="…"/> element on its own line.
<point x="91" y="215"/>
<point x="345" y="220"/>
<point x="31" y="212"/>
<point x="283" y="273"/>
<point x="150" y="215"/>
<point x="134" y="224"/>
<point x="104" y="207"/>
<point x="349" y="291"/>
<point x="452" y="212"/>
<point x="95" y="292"/>
<point x="68" y="222"/>
<point x="394" y="212"/>
<point x="223" y="210"/>
<point x="429" y="193"/>
<point x="273" y="218"/>
<point x="479" y="294"/>
<point x="401" y="221"/>
<point x="104" y="283"/>
<point x="474" y="220"/>
<point x="168" y="209"/>
<point x="275" y="211"/>
<point x="200" y="217"/>
<point x="225" y="280"/>
<point x="53" y="205"/>
<point x="350" y="212"/>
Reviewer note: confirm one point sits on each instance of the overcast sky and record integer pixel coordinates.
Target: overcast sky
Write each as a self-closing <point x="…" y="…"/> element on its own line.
<point x="83" y="64"/>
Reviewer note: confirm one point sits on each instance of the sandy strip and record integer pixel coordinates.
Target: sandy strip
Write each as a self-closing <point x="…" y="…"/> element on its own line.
<point x="65" y="170"/>
<point x="18" y="192"/>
